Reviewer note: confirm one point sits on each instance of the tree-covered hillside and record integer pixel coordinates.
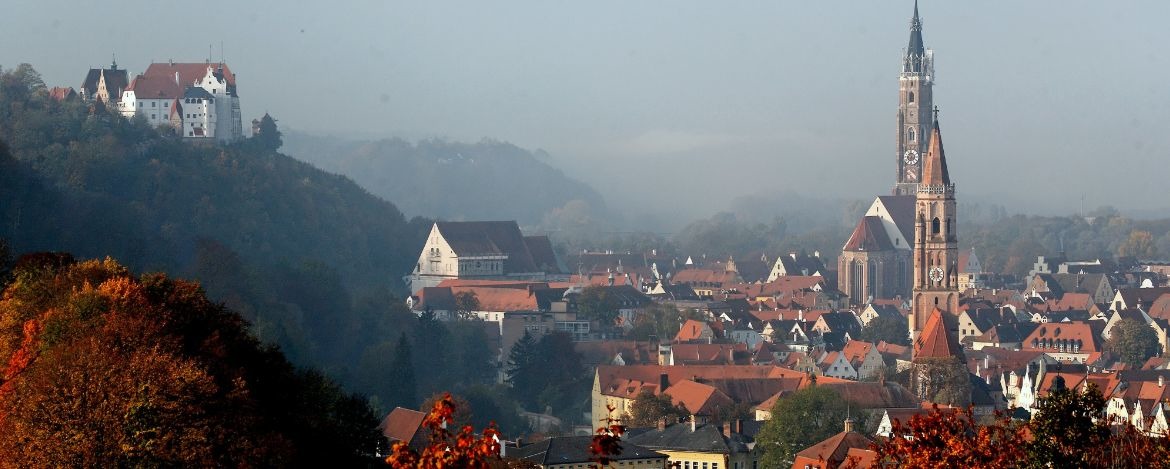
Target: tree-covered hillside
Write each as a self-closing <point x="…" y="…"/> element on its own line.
<point x="310" y="258"/>
<point x="489" y="180"/>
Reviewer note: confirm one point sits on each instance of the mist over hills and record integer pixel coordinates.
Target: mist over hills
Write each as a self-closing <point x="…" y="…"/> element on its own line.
<point x="487" y="180"/>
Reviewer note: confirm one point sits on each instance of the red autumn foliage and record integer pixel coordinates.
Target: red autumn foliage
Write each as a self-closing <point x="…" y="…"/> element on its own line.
<point x="447" y="450"/>
<point x="952" y="438"/>
<point x="607" y="440"/>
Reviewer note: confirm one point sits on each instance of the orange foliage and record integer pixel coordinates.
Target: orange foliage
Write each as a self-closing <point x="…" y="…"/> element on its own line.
<point x="952" y="438"/>
<point x="607" y="440"/>
<point x="446" y="450"/>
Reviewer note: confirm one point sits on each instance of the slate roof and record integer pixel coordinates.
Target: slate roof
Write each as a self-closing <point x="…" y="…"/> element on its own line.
<point x="707" y="438"/>
<point x="801" y="264"/>
<point x="543" y="255"/>
<point x="197" y="93"/>
<point x="490" y="238"/>
<point x="116" y="81"/>
<point x="1006" y="333"/>
<point x="901" y="211"/>
<point x="575" y="450"/>
<point x="869" y="235"/>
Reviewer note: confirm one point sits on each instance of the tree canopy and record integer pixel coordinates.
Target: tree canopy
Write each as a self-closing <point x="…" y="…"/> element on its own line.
<point x="145" y="371"/>
<point x="1132" y="341"/>
<point x="648" y="409"/>
<point x="801" y="419"/>
<point x="894" y="330"/>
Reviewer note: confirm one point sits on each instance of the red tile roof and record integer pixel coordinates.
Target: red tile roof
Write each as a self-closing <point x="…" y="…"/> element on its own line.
<point x="869" y="235"/>
<point x="188" y="72"/>
<point x="401" y="424"/>
<point x="155" y="87"/>
<point x="935" y="341"/>
<point x="831" y="452"/>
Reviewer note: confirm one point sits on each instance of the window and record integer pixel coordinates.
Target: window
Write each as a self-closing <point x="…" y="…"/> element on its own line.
<point x="153" y="104"/>
<point x="935" y="226"/>
<point x="166" y="104"/>
<point x="911" y="97"/>
<point x="910" y="134"/>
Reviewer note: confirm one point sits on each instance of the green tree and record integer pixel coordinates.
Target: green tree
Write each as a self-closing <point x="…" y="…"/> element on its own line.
<point x="800" y="419"/>
<point x="661" y="320"/>
<point x="647" y="410"/>
<point x="562" y="382"/>
<point x="466" y="304"/>
<point x="1132" y="341"/>
<point x="595" y="304"/>
<point x="403" y="390"/>
<point x="892" y="329"/>
<point x="523" y="370"/>
<point x="267" y="134"/>
<point x="1064" y="424"/>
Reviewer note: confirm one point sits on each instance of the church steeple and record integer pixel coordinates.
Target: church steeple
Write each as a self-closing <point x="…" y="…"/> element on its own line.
<point x="915" y="99"/>
<point x="934" y="171"/>
<point x="915" y="48"/>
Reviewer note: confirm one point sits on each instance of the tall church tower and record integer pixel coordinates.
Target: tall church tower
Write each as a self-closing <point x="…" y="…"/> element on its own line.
<point x="936" y="253"/>
<point x="915" y="100"/>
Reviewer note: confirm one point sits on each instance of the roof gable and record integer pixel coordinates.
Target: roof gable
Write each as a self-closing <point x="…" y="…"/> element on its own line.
<point x="935" y="340"/>
<point x="869" y="235"/>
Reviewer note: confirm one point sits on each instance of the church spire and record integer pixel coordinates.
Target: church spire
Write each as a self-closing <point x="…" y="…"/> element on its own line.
<point x="934" y="171"/>
<point x="915" y="49"/>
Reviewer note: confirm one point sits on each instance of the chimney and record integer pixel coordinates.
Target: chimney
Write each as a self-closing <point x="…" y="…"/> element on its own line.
<point x="692" y="423"/>
<point x="662" y="422"/>
<point x="848" y="424"/>
<point x="738" y="426"/>
<point x="800" y="315"/>
<point x="663" y="382"/>
<point x="726" y="428"/>
<point x="1161" y="381"/>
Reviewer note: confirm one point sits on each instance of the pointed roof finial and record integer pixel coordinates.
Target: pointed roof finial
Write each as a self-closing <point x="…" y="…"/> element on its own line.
<point x="113" y="61"/>
<point x="934" y="170"/>
<point x="916" y="47"/>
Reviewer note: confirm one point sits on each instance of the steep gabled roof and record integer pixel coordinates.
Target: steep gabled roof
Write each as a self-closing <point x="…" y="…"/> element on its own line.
<point x="145" y="87"/>
<point x="402" y="425"/>
<point x="869" y="235"/>
<point x="935" y="341"/>
<point x="832" y="451"/>
<point x="486" y="238"/>
<point x="543" y="255"/>
<point x="901" y="211"/>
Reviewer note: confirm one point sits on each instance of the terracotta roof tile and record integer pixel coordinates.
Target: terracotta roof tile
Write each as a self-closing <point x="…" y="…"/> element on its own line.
<point x="869" y="235"/>
<point x="935" y="341"/>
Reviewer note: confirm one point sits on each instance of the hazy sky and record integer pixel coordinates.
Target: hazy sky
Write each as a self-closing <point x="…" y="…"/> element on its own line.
<point x="682" y="104"/>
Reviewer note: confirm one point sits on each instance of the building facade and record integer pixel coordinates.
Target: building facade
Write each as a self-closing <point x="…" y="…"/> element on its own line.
<point x="198" y="100"/>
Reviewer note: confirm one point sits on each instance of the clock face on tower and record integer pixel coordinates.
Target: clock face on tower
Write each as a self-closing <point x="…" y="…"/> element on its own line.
<point x="911" y="174"/>
<point x="910" y="157"/>
<point x="936" y="274"/>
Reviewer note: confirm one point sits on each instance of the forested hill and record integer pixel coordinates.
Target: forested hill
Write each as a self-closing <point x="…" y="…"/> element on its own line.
<point x="489" y="180"/>
<point x="291" y="247"/>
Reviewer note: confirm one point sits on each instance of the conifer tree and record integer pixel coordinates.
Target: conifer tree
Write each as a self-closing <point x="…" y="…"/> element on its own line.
<point x="405" y="391"/>
<point x="521" y="369"/>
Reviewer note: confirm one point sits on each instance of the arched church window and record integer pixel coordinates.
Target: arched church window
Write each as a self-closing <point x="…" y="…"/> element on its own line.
<point x="911" y="97"/>
<point x="910" y="134"/>
<point x="935" y="226"/>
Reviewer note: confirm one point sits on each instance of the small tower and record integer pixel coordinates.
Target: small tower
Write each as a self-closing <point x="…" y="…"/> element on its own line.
<point x="915" y="100"/>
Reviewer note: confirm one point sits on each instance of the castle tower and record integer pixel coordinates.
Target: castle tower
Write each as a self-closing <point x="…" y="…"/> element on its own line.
<point x="915" y="100"/>
<point x="935" y="251"/>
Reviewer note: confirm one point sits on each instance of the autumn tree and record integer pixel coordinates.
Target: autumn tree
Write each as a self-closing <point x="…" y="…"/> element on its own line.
<point x="801" y="419"/>
<point x="1132" y="341"/>
<point x="99" y="368"/>
<point x="661" y="320"/>
<point x="942" y="380"/>
<point x="648" y="409"/>
<point x="952" y="438"/>
<point x="892" y="329"/>
<point x="1139" y="244"/>
<point x="447" y="448"/>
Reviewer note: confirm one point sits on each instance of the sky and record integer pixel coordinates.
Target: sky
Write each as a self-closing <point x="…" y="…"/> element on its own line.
<point x="682" y="106"/>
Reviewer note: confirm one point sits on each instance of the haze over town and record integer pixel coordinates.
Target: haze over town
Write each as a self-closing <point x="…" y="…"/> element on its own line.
<point x="750" y="98"/>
